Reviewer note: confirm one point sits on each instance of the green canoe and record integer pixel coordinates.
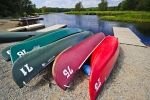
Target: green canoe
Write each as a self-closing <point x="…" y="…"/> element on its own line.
<point x="28" y="66"/>
<point x="23" y="48"/>
<point x="6" y="51"/>
<point x="16" y="36"/>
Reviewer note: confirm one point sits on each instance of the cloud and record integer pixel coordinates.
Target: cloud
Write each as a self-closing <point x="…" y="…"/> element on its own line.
<point x="113" y="2"/>
<point x="71" y="3"/>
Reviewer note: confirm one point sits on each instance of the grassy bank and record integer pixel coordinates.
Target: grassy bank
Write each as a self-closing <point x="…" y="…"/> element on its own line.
<point x="125" y="16"/>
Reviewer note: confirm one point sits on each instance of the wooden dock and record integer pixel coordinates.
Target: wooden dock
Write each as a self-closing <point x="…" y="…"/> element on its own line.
<point x="51" y="28"/>
<point x="26" y="28"/>
<point x="126" y="36"/>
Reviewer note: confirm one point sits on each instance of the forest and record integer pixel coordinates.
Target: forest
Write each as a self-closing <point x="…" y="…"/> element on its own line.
<point x="16" y="8"/>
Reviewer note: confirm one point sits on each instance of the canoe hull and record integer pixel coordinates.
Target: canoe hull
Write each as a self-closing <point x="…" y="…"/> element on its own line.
<point x="6" y="51"/>
<point x="102" y="62"/>
<point x="16" y="36"/>
<point x="69" y="61"/>
<point x="26" y="67"/>
<point x="19" y="50"/>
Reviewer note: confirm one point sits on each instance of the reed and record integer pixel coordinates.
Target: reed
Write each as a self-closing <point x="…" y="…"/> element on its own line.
<point x="125" y="16"/>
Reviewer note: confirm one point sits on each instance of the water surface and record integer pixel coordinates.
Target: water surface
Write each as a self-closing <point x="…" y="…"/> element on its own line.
<point x="95" y="24"/>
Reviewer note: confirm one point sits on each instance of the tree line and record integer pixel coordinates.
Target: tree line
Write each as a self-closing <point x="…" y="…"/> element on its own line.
<point x="16" y="8"/>
<point x="26" y="7"/>
<point x="44" y="10"/>
<point x="137" y="5"/>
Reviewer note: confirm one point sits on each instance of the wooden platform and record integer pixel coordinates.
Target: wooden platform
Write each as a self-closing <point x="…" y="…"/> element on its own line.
<point x="26" y="28"/>
<point x="51" y="28"/>
<point x="126" y="36"/>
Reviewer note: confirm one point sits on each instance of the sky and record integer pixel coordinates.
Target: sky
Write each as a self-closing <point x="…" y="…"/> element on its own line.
<point x="71" y="3"/>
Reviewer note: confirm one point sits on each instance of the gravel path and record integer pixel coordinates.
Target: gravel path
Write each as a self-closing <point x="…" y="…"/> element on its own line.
<point x="129" y="80"/>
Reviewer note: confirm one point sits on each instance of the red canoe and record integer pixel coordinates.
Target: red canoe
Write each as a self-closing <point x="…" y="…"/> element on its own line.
<point x="102" y="61"/>
<point x="68" y="62"/>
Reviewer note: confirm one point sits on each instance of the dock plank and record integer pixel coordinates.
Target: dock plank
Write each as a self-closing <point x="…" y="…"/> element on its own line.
<point x="126" y="36"/>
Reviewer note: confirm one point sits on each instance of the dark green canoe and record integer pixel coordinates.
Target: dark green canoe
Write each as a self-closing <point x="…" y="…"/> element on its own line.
<point x="16" y="36"/>
<point x="23" y="48"/>
<point x="26" y="67"/>
<point x="6" y="51"/>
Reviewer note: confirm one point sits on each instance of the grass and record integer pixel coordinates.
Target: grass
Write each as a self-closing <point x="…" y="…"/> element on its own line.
<point x="125" y="16"/>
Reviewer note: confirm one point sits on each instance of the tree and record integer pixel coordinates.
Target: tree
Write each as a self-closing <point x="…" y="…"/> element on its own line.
<point x="43" y="9"/>
<point x="143" y="5"/>
<point x="129" y="5"/>
<point x="103" y="5"/>
<point x="135" y="5"/>
<point x="27" y="7"/>
<point x="79" y="6"/>
<point x="16" y="7"/>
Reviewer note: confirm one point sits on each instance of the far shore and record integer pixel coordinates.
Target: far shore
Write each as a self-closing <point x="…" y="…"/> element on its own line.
<point x="124" y="16"/>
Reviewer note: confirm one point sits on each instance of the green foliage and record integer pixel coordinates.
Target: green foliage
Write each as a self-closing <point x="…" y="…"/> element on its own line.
<point x="103" y="5"/>
<point x="46" y="10"/>
<point x="128" y="5"/>
<point x="135" y="5"/>
<point x="79" y="6"/>
<point x="27" y="7"/>
<point x="126" y="16"/>
<point x="16" y="7"/>
<point x="144" y="5"/>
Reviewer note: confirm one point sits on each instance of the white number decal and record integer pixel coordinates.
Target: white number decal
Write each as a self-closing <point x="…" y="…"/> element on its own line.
<point x="8" y="52"/>
<point x="67" y="72"/>
<point x="29" y="69"/>
<point x="21" y="53"/>
<point x="97" y="84"/>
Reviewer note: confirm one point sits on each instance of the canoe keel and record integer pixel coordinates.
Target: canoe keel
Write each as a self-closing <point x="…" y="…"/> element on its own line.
<point x="69" y="62"/>
<point x="102" y="62"/>
<point x="27" y="67"/>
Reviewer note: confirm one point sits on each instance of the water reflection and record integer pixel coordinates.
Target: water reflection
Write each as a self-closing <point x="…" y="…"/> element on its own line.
<point x="95" y="24"/>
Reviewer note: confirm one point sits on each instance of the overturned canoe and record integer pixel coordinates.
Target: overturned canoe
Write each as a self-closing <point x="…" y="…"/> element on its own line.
<point x="16" y="36"/>
<point x="27" y="28"/>
<point x="54" y="27"/>
<point x="23" y="48"/>
<point x="29" y="65"/>
<point x="69" y="61"/>
<point x="6" y="51"/>
<point x="102" y="62"/>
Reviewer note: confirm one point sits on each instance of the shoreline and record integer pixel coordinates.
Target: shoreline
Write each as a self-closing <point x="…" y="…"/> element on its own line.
<point x="6" y="24"/>
<point x="129" y="80"/>
<point x="123" y="16"/>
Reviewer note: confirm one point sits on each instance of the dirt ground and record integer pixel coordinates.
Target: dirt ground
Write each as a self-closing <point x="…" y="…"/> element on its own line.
<point x="5" y="24"/>
<point x="129" y="80"/>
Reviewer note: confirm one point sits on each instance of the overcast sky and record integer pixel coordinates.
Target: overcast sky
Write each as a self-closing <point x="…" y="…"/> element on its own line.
<point x="71" y="3"/>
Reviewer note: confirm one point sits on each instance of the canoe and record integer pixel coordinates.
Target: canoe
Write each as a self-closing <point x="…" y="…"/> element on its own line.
<point x="102" y="62"/>
<point x="23" y="48"/>
<point x="16" y="36"/>
<point x="69" y="61"/>
<point x="6" y="51"/>
<point x="29" y="65"/>
<point x="54" y="27"/>
<point x="27" y="28"/>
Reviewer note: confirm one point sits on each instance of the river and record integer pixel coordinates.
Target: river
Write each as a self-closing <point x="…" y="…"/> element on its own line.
<point x="95" y="24"/>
